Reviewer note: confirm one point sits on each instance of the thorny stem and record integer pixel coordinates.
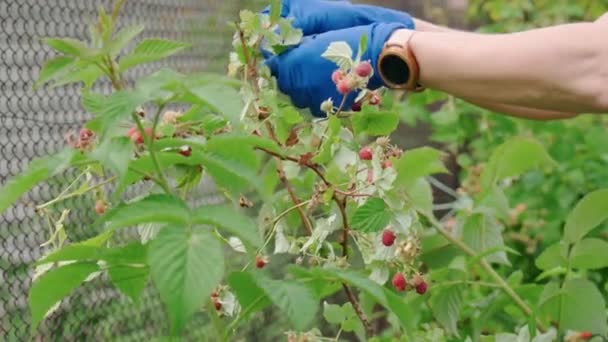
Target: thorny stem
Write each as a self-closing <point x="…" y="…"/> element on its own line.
<point x="487" y="267"/>
<point x="351" y="297"/>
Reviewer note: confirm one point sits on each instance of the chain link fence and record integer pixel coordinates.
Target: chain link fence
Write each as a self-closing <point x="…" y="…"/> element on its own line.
<point x="34" y="124"/>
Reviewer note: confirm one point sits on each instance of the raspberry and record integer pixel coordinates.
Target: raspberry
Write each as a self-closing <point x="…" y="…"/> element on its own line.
<point x="185" y="151"/>
<point x="218" y="305"/>
<point x="214" y="294"/>
<point x="388" y="237"/>
<point x="364" y="69"/>
<point x="344" y="86"/>
<point x="100" y="207"/>
<point x="85" y="134"/>
<point x="387" y="164"/>
<point x="421" y="288"/>
<point x="337" y="76"/>
<point x="399" y="282"/>
<point x="585" y="335"/>
<point x="260" y="262"/>
<point x="375" y="99"/>
<point x="356" y="107"/>
<point x="365" y="153"/>
<point x="417" y="280"/>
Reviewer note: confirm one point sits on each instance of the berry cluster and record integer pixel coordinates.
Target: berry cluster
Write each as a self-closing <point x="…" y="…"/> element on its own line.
<point x="417" y="283"/>
<point x="347" y="81"/>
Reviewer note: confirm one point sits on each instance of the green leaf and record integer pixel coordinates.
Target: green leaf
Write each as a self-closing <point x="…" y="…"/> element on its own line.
<point x="38" y="171"/>
<point x="589" y="254"/>
<point x="251" y="297"/>
<point x="53" y="286"/>
<point x="340" y="53"/>
<point x="238" y="149"/>
<point x="82" y="71"/>
<point x="362" y="47"/>
<point x="375" y="123"/>
<point x="77" y="252"/>
<point x="418" y="163"/>
<point x="151" y="50"/>
<point x="513" y="158"/>
<point x="293" y="298"/>
<point x="446" y="304"/>
<point x="372" y="216"/>
<point x="53" y="68"/>
<point x="583" y="307"/>
<point x="225" y="100"/>
<point x="483" y="233"/>
<point x="230" y="174"/>
<point x="158" y="208"/>
<point x="275" y="10"/>
<point x="333" y="313"/>
<point x="114" y="154"/>
<point x="186" y="265"/>
<point x="332" y="137"/>
<point x="552" y="257"/>
<point x="588" y="214"/>
<point x="229" y="219"/>
<point x="93" y="103"/>
<point x="68" y="46"/>
<point x="124" y="37"/>
<point x="129" y="280"/>
<point x="420" y="194"/>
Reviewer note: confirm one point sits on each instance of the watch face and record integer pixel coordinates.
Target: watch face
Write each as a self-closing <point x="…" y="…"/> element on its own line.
<point x="394" y="70"/>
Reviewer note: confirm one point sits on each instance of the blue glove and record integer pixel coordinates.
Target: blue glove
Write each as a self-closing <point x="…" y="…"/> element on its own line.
<point x="305" y="76"/>
<point x="319" y="16"/>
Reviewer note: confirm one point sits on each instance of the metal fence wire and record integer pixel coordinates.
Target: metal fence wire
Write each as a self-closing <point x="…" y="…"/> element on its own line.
<point x="33" y="124"/>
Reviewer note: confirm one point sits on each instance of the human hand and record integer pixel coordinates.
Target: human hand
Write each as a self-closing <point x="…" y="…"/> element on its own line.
<point x="319" y="16"/>
<point x="306" y="76"/>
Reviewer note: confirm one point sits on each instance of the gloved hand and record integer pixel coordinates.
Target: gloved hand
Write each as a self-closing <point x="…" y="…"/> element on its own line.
<point x="319" y="16"/>
<point x="306" y="76"/>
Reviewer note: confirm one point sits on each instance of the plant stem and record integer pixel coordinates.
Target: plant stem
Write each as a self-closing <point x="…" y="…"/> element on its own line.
<point x="75" y="193"/>
<point x="487" y="267"/>
<point x="294" y="198"/>
<point x="351" y="298"/>
<point x="149" y="141"/>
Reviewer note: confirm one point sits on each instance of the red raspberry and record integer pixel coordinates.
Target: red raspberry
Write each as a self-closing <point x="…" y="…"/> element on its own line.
<point x="585" y="335"/>
<point x="100" y="207"/>
<point x="260" y="262"/>
<point x="343" y="86"/>
<point x="421" y="288"/>
<point x="218" y="305"/>
<point x="387" y="164"/>
<point x="337" y="76"/>
<point x="375" y="99"/>
<point x="185" y="151"/>
<point x="364" y="69"/>
<point x="388" y="237"/>
<point x="85" y="134"/>
<point x="356" y="107"/>
<point x="365" y="153"/>
<point x="399" y="281"/>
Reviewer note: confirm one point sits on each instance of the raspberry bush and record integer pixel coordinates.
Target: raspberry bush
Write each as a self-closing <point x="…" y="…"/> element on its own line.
<point x="320" y="216"/>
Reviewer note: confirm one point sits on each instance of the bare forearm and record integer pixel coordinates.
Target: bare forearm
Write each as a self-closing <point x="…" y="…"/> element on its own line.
<point x="562" y="68"/>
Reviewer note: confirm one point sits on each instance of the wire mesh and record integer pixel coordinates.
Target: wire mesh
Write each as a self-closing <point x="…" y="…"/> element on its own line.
<point x="33" y="124"/>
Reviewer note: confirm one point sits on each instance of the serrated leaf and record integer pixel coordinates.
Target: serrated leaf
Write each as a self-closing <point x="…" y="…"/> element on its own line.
<point x="481" y="233"/>
<point x="513" y="158"/>
<point x="158" y="208"/>
<point x="123" y="38"/>
<point x="230" y="174"/>
<point x="589" y="212"/>
<point x="82" y="71"/>
<point x="327" y="148"/>
<point x="114" y="154"/>
<point x="589" y="254"/>
<point x="53" y="286"/>
<point x="375" y="123"/>
<point x="446" y="304"/>
<point x="93" y="103"/>
<point x="418" y="163"/>
<point x="186" y="265"/>
<point x="129" y="280"/>
<point x="38" y="171"/>
<point x="117" y="107"/>
<point x="552" y="257"/>
<point x="53" y="68"/>
<point x="68" y="46"/>
<point x="151" y="50"/>
<point x="250" y="296"/>
<point x="225" y="100"/>
<point x="340" y="53"/>
<point x="229" y="219"/>
<point x="372" y="216"/>
<point x="289" y="35"/>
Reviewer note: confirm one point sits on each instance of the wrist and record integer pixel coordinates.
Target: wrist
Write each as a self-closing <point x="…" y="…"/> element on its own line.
<point x="397" y="63"/>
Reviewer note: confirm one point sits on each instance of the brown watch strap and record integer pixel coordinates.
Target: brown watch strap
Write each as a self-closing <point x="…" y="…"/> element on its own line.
<point x="399" y="68"/>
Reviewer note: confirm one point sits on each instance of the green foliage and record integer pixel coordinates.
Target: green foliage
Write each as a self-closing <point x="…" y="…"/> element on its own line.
<point x="304" y="194"/>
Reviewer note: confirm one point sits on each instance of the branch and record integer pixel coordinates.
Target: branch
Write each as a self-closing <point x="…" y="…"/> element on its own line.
<point x="351" y="298"/>
<point x="487" y="267"/>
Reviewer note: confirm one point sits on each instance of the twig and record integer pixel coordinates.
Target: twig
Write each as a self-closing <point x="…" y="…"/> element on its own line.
<point x="149" y="141"/>
<point x="487" y="267"/>
<point x="294" y="197"/>
<point x="351" y="298"/>
<point x="75" y="193"/>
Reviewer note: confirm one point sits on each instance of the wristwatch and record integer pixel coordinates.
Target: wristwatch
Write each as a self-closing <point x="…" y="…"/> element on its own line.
<point x="398" y="66"/>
